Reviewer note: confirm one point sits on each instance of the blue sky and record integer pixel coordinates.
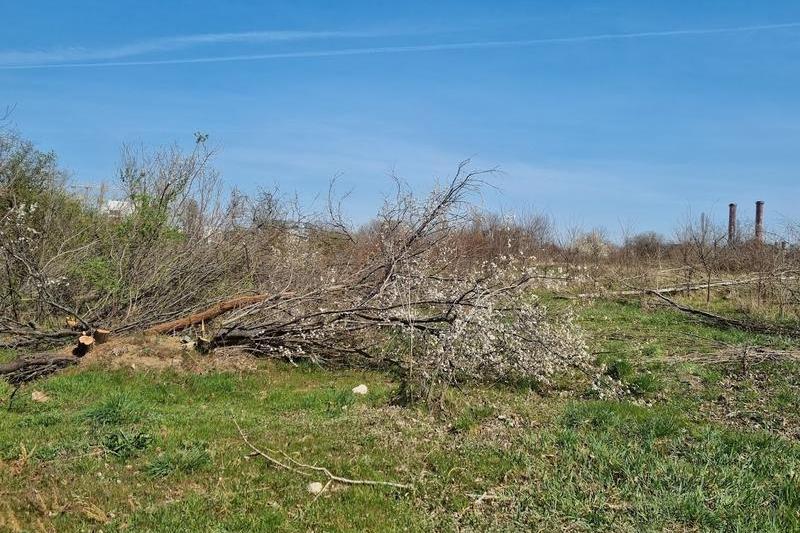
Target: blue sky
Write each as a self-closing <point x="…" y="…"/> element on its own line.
<point x="598" y="113"/>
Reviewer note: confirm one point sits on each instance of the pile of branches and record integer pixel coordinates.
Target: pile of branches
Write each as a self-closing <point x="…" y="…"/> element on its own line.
<point x="28" y="368"/>
<point x="389" y="295"/>
<point x="31" y="367"/>
<point x="256" y="274"/>
<point x="167" y="246"/>
<point x="16" y="335"/>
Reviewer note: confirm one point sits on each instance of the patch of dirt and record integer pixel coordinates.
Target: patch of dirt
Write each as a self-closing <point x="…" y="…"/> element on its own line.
<point x="158" y="352"/>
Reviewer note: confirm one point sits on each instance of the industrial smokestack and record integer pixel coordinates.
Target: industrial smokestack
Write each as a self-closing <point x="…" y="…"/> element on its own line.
<point x="731" y="224"/>
<point x="760" y="221"/>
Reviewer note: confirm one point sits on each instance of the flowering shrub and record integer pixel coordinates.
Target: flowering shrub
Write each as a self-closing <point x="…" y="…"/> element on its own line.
<point x="398" y="293"/>
<point x="509" y="340"/>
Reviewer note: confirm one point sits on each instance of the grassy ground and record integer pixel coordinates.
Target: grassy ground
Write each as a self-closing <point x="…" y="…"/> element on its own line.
<point x="695" y="446"/>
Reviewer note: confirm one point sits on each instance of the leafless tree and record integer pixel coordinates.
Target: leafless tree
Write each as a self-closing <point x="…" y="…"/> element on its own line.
<point x="702" y="240"/>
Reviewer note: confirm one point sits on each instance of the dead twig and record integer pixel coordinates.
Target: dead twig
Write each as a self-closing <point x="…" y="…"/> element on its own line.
<point x="665" y="290"/>
<point x="302" y="468"/>
<point x="733" y="354"/>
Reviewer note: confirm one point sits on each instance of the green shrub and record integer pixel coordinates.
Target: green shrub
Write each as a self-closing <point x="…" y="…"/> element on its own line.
<point x="99" y="273"/>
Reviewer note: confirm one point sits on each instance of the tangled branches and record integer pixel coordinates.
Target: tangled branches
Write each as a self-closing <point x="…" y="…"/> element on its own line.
<point x="390" y="295"/>
<point x="27" y="369"/>
<point x="396" y="292"/>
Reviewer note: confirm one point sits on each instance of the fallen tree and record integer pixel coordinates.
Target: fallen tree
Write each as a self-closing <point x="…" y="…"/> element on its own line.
<point x="28" y="368"/>
<point x="728" y="322"/>
<point x="208" y="314"/>
<point x="392" y="297"/>
<point x="18" y="337"/>
<point x="667" y="290"/>
<point x="393" y="294"/>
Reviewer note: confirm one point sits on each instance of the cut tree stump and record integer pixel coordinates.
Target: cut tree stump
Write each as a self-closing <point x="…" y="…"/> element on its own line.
<point x="203" y="345"/>
<point x="101" y="335"/>
<point x="85" y="344"/>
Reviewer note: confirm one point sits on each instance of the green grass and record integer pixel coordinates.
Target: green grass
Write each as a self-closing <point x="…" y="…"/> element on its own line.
<point x="624" y="327"/>
<point x="693" y="446"/>
<point x="6" y="355"/>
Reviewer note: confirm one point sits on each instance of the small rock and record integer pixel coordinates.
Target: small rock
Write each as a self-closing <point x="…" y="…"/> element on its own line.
<point x="315" y="487"/>
<point x="38" y="396"/>
<point x="361" y="389"/>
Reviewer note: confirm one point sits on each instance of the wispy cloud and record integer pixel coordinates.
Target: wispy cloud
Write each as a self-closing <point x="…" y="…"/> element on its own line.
<point x="38" y="58"/>
<point x="105" y="58"/>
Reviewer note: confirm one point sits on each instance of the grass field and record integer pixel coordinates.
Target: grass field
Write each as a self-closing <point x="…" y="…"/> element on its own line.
<point x="700" y="443"/>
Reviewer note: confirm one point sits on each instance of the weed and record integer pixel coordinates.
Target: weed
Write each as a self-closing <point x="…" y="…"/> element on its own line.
<point x="124" y="445"/>
<point x="619" y="369"/>
<point x="189" y="456"/>
<point x="471" y="417"/>
<point x="119" y="409"/>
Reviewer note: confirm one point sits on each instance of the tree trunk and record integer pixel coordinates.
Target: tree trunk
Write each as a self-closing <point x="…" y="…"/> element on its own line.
<point x="208" y="314"/>
<point x="101" y="335"/>
<point x="85" y="344"/>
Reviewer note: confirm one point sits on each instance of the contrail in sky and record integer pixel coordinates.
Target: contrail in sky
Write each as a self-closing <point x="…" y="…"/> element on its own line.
<point x="166" y="44"/>
<point x="182" y="42"/>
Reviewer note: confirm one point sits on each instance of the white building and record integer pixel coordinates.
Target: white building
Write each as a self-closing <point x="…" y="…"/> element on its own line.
<point x="117" y="208"/>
